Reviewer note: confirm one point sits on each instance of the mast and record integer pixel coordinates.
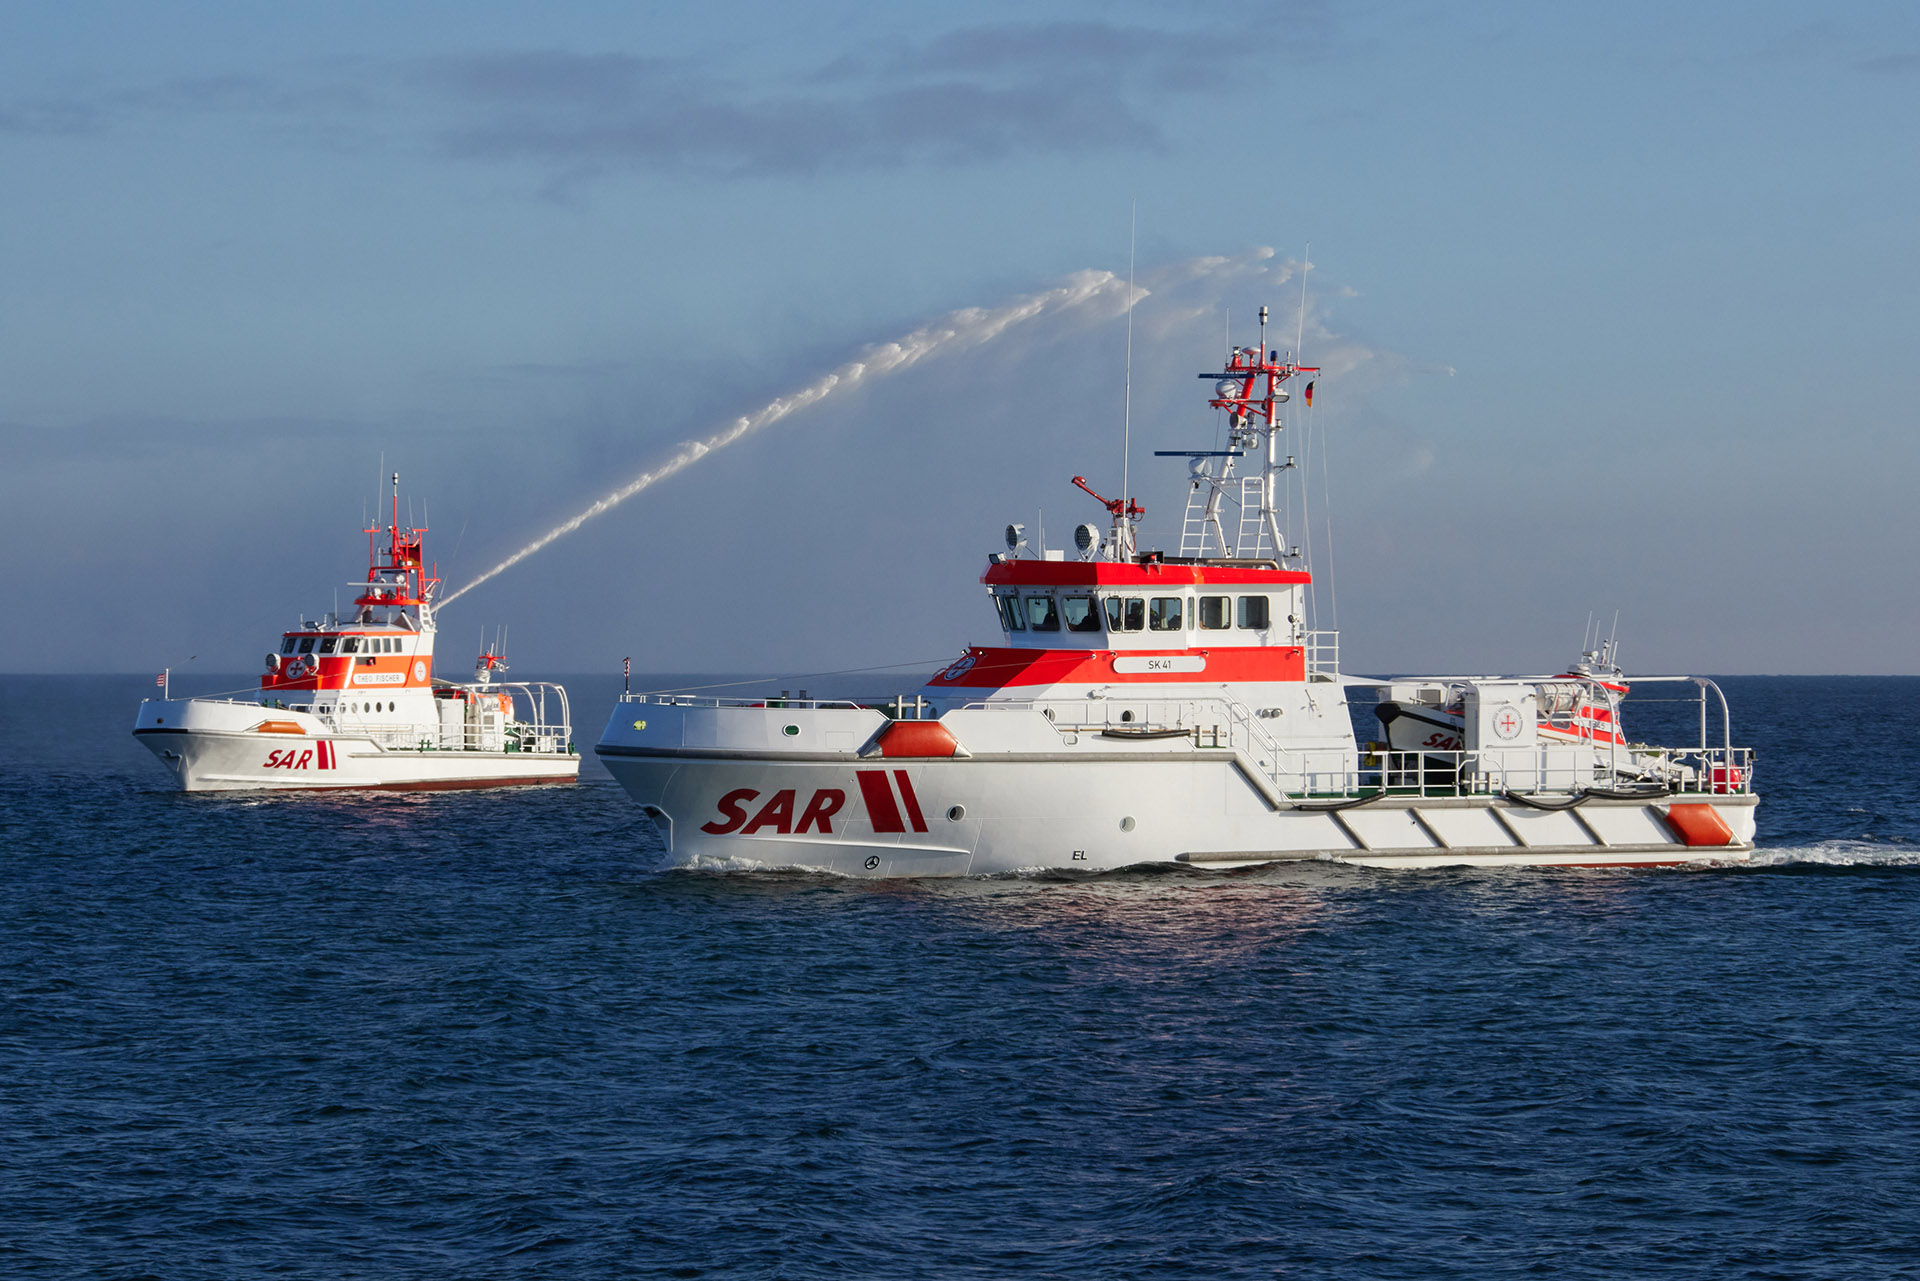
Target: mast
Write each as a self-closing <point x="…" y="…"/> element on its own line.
<point x="1250" y="389"/>
<point x="397" y="576"/>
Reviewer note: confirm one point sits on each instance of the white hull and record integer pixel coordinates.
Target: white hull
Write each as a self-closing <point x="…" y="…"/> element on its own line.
<point x="1091" y="808"/>
<point x="212" y="747"/>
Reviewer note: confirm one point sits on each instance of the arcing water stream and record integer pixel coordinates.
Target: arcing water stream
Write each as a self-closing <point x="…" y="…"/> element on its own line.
<point x="968" y="327"/>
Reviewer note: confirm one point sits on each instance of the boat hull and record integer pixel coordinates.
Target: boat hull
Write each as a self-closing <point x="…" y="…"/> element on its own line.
<point x="975" y="816"/>
<point x="212" y="748"/>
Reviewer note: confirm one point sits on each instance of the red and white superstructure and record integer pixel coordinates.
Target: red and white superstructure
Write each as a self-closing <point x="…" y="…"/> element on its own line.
<point x="352" y="702"/>
<point x="1149" y="707"/>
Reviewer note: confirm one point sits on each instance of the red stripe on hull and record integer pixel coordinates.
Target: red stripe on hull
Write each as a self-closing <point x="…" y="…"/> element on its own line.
<point x="911" y="801"/>
<point x="874" y="790"/>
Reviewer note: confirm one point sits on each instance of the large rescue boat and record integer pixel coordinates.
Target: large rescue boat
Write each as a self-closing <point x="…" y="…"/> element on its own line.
<point x="1145" y="708"/>
<point x="353" y="703"/>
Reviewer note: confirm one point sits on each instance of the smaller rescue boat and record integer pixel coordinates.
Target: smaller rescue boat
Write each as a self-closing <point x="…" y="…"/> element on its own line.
<point x="353" y="703"/>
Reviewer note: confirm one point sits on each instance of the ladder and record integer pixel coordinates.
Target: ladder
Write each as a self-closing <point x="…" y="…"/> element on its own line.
<point x="1252" y="540"/>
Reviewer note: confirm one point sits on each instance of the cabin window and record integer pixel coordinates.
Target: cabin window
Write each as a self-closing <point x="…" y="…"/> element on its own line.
<point x="286" y="646"/>
<point x="350" y="645"/>
<point x="1126" y="613"/>
<point x="327" y="643"/>
<point x="1216" y="611"/>
<point x="1010" y="619"/>
<point x="1253" y="612"/>
<point x="306" y="644"/>
<point x="1080" y="613"/>
<point x="1163" y="614"/>
<point x="1042" y="614"/>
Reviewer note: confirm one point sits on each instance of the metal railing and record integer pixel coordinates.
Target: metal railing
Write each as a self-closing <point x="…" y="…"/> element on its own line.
<point x="1323" y="655"/>
<point x="702" y="700"/>
<point x="1550" y="768"/>
<point x="1225" y="724"/>
<point x="547" y="729"/>
<point x="1718" y="771"/>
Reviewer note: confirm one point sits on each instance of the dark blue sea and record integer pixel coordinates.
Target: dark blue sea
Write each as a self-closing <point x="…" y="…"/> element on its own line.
<point x="480" y="1035"/>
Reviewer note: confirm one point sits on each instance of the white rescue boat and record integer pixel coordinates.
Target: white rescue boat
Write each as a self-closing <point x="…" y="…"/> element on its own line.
<point x="353" y="703"/>
<point x="1150" y="708"/>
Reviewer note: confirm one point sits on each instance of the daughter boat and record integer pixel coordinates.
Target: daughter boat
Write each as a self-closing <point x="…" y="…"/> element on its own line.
<point x="1145" y="708"/>
<point x="353" y="703"/>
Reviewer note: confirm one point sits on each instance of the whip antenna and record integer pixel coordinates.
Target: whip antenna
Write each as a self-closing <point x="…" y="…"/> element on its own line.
<point x="1126" y="404"/>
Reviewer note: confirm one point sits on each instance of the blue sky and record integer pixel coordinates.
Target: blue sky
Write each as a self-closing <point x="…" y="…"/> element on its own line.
<point x="1626" y="298"/>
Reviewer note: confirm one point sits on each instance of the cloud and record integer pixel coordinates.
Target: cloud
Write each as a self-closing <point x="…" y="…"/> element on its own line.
<point x="50" y="117"/>
<point x="663" y="122"/>
<point x="1891" y="64"/>
<point x="965" y="96"/>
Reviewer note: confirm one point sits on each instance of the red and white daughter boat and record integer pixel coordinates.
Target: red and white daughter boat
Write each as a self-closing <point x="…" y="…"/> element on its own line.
<point x="353" y="703"/>
<point x="1154" y="708"/>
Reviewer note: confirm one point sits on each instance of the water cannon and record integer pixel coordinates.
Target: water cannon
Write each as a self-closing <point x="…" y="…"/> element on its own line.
<point x="1119" y="508"/>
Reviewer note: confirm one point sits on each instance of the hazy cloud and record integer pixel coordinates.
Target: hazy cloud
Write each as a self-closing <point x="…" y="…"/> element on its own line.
<point x="49" y="117"/>
<point x="1891" y="64"/>
<point x="963" y="97"/>
<point x="960" y="97"/>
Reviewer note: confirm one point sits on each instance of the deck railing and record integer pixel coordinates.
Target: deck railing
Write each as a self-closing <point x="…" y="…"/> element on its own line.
<point x="1338" y="773"/>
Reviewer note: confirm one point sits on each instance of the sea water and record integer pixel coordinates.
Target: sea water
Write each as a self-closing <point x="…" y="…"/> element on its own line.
<point x="482" y="1035"/>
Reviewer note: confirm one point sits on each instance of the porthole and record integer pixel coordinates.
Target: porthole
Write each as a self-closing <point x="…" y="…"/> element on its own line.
<point x="1126" y="824"/>
<point x="957" y="813"/>
<point x="1126" y="716"/>
<point x="791" y="731"/>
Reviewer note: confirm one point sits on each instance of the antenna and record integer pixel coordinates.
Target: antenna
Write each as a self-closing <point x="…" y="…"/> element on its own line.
<point x="1126" y="410"/>
<point x="1300" y="332"/>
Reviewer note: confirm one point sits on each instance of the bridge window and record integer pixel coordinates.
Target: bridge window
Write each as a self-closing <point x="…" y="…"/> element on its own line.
<point x="1163" y="614"/>
<point x="1126" y="613"/>
<point x="306" y="644"/>
<point x="1043" y="614"/>
<point x="287" y="646"/>
<point x="1253" y="612"/>
<point x="1009" y="607"/>
<point x="350" y="645"/>
<point x="1216" y="611"/>
<point x="327" y="643"/>
<point x="1081" y="615"/>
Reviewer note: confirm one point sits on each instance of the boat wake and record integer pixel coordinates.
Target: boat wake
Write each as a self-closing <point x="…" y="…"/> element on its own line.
<point x="1864" y="854"/>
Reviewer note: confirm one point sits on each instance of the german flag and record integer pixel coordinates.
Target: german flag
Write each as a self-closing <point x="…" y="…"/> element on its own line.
<point x="1309" y="395"/>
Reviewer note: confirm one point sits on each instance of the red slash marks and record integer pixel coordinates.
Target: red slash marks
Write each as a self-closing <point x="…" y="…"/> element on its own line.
<point x="319" y="756"/>
<point x="777" y="813"/>
<point x="877" y="792"/>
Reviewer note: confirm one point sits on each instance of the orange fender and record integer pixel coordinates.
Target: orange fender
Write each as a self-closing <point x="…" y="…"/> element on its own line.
<point x="1696" y="823"/>
<point x="917" y="738"/>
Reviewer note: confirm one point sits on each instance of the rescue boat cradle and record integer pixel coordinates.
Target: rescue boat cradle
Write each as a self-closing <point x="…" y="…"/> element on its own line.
<point x="353" y="703"/>
<point x="1196" y="718"/>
